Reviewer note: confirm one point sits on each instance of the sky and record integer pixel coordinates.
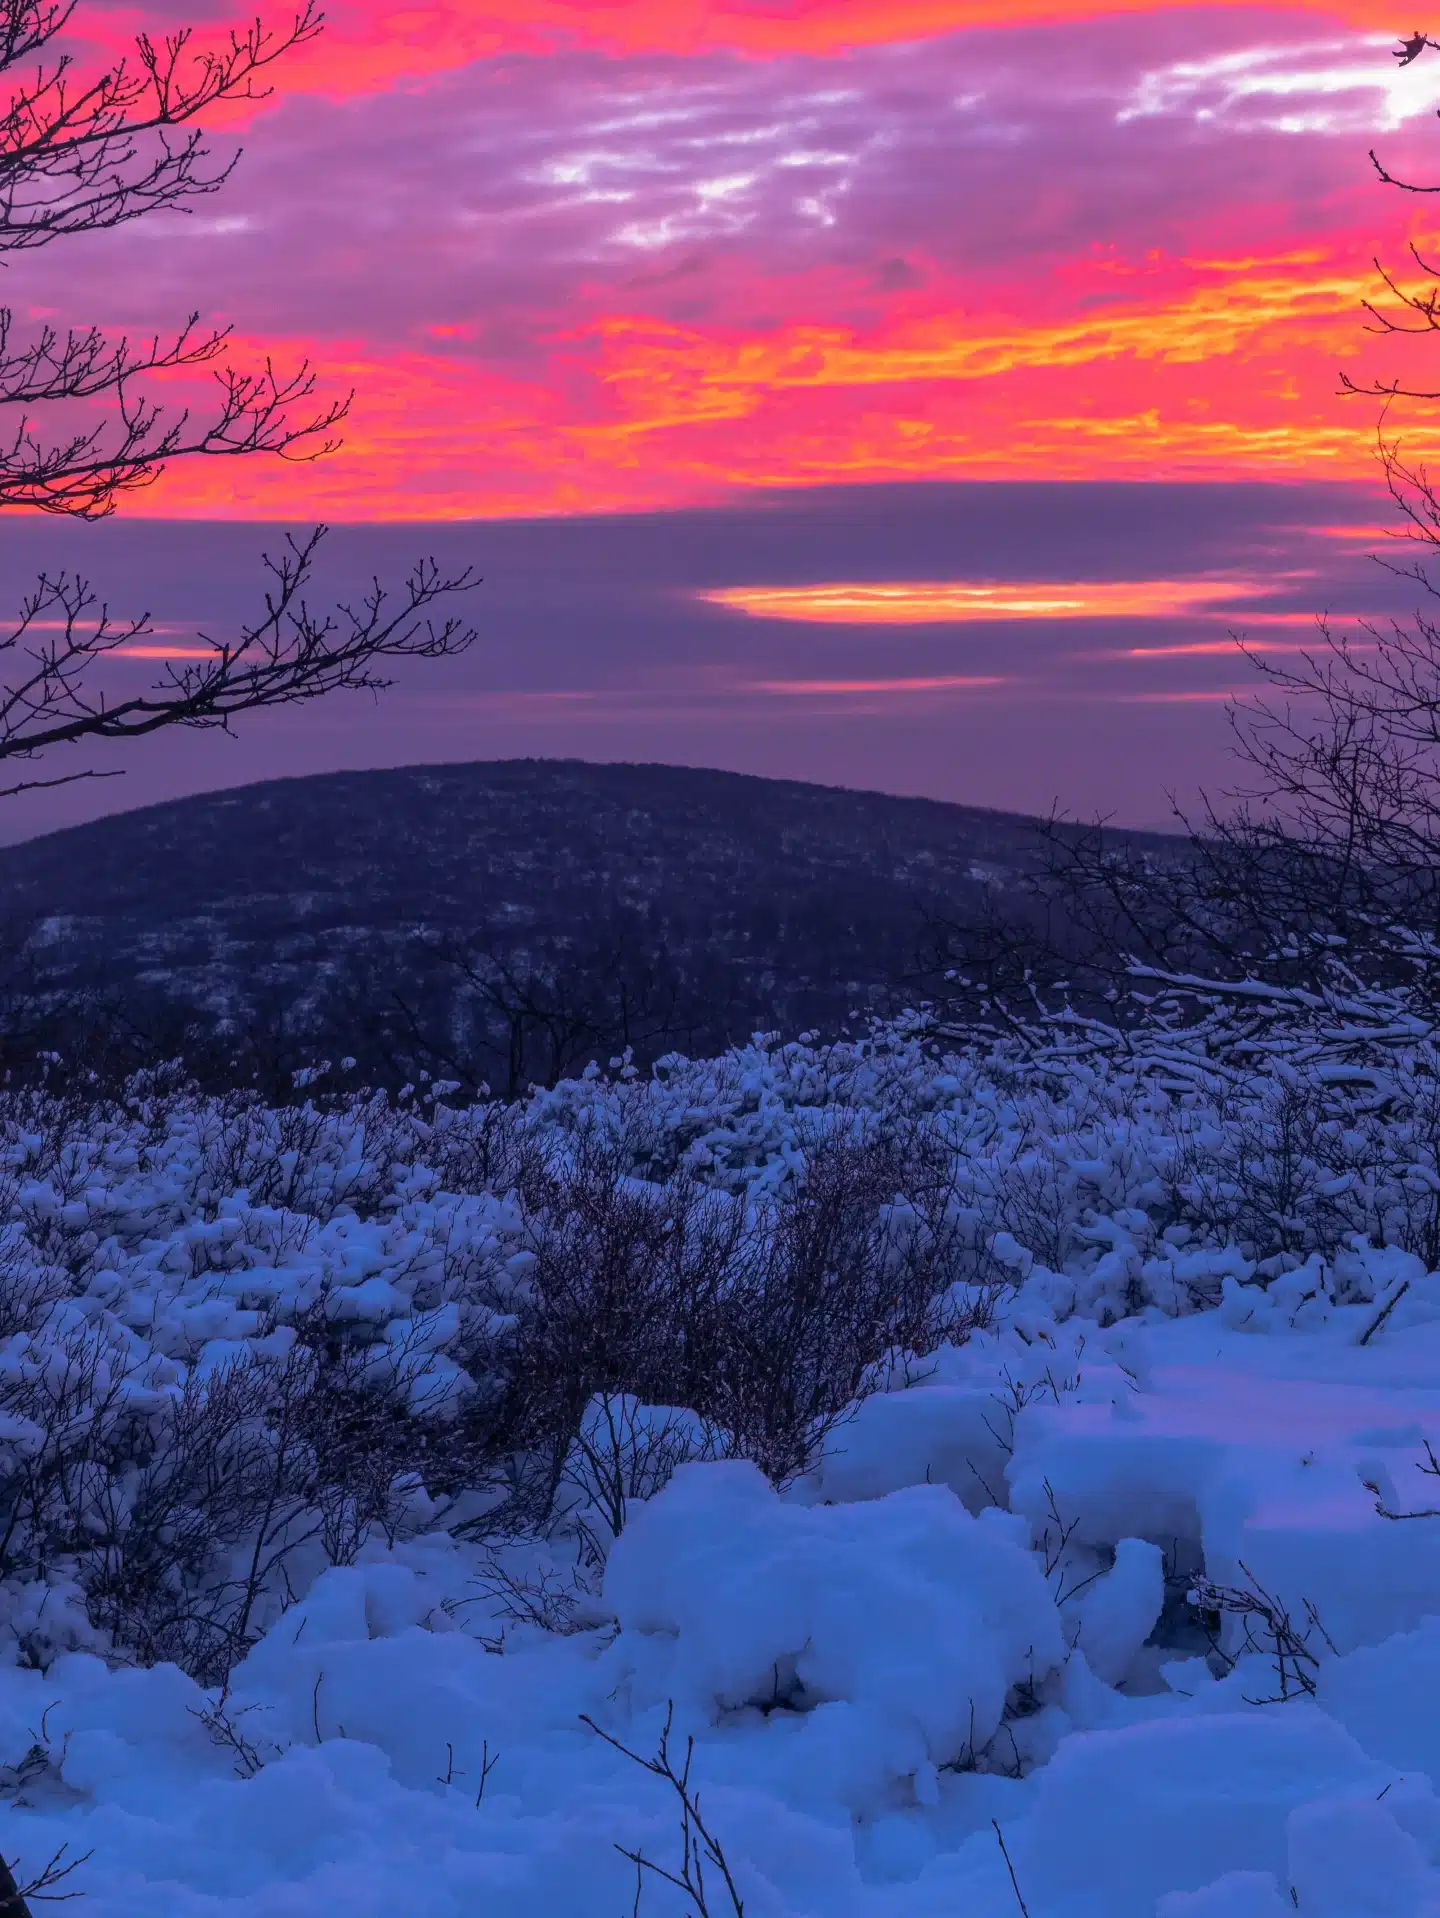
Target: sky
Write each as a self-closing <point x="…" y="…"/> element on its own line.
<point x="903" y="393"/>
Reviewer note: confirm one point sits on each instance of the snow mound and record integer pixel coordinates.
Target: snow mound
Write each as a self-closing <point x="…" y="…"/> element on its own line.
<point x="898" y="1626"/>
<point x="1123" y="1817"/>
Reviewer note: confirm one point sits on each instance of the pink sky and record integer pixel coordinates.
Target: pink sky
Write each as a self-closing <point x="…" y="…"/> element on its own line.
<point x="632" y="268"/>
<point x="581" y="257"/>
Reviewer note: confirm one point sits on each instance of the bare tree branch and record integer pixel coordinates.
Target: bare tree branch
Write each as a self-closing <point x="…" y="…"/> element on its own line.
<point x="290" y="654"/>
<point x="15" y="1897"/>
<point x="79" y="156"/>
<point x="83" y="156"/>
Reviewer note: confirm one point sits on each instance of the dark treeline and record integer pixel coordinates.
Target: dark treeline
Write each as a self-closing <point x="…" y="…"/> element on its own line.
<point x="482" y="1011"/>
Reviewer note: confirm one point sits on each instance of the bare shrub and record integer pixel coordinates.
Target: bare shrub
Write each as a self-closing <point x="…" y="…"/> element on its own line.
<point x="560" y="1602"/>
<point x="1261" y="1178"/>
<point x="623" y="1293"/>
<point x="486" y="1148"/>
<point x="700" y="1850"/>
<point x="184" y="1513"/>
<point x="623" y="1452"/>
<point x="1430" y="1469"/>
<point x="766" y="1318"/>
<point x="1266" y="1627"/>
<point x="838" y="1275"/>
<point x="15" y="1896"/>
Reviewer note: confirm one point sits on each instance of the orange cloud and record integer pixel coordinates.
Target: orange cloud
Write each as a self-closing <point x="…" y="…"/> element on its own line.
<point x="1184" y="649"/>
<point x="665" y="376"/>
<point x="911" y="602"/>
<point x="603" y="363"/>
<point x="1354" y="532"/>
<point x="1206" y="373"/>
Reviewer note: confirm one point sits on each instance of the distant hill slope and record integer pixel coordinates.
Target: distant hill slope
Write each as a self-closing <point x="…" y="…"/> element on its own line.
<point x="792" y="901"/>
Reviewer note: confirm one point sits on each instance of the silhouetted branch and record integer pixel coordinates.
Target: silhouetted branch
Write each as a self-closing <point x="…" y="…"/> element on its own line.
<point x="81" y="156"/>
<point x="288" y="655"/>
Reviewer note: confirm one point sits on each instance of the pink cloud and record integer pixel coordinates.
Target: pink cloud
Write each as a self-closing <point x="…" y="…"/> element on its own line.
<point x="564" y="274"/>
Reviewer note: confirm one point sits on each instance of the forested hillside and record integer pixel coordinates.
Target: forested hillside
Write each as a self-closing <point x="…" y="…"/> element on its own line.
<point x="504" y="922"/>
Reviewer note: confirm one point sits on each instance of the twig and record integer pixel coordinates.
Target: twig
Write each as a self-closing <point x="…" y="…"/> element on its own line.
<point x="1014" y="1881"/>
<point x="487" y="1765"/>
<point x="1430" y="1470"/>
<point x="1288" y="1645"/>
<point x="699" y="1846"/>
<point x="1386" y="1309"/>
<point x="13" y="1896"/>
<point x="12" y="1902"/>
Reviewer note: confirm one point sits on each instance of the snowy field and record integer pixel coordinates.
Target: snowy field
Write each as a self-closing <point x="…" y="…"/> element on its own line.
<point x="1120" y="1604"/>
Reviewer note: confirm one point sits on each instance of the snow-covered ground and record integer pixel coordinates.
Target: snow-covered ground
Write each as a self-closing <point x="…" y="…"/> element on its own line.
<point x="1114" y="1610"/>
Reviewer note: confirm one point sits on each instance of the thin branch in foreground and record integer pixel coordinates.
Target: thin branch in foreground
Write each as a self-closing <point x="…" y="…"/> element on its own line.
<point x="1014" y="1881"/>
<point x="699" y="1846"/>
<point x="1280" y="1638"/>
<point x="1431" y="1469"/>
<point x="14" y="1896"/>
<point x="1385" y="1310"/>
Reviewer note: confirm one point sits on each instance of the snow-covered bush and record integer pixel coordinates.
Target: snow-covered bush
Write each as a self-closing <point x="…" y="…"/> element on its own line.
<point x="237" y="1343"/>
<point x="213" y="1388"/>
<point x="949" y="1435"/>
